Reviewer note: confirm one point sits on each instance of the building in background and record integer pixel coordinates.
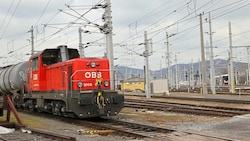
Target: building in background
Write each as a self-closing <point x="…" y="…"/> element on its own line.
<point x="133" y="84"/>
<point x="159" y="86"/>
<point x="137" y="85"/>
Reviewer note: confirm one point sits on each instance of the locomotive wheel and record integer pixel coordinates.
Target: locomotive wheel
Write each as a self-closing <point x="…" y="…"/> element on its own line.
<point x="56" y="109"/>
<point x="38" y="109"/>
<point x="29" y="105"/>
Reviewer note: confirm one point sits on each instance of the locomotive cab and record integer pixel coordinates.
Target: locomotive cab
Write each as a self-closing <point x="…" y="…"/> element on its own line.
<point x="41" y="61"/>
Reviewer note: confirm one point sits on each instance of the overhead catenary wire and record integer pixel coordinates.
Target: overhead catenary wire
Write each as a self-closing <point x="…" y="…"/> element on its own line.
<point x="10" y="19"/>
<point x="26" y="45"/>
<point x="45" y="8"/>
<point x="182" y="19"/>
<point x="163" y="28"/>
<point x="178" y="21"/>
<point x="6" y="15"/>
<point x="69" y="24"/>
<point x="155" y="30"/>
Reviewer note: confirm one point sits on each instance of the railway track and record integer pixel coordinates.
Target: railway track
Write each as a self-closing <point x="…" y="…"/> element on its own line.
<point x="207" y="99"/>
<point x="185" y="108"/>
<point x="24" y="134"/>
<point x="148" y="132"/>
<point x="114" y="126"/>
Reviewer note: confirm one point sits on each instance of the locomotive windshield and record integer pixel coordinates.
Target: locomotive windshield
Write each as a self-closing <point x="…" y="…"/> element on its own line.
<point x="52" y="56"/>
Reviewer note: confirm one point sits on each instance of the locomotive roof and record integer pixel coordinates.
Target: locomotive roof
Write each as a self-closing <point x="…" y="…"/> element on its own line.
<point x="72" y="52"/>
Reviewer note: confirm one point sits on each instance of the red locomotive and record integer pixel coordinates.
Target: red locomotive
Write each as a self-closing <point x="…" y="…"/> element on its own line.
<point x="60" y="82"/>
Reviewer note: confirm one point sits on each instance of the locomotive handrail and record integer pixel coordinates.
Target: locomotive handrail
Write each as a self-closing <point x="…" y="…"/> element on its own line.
<point x="66" y="91"/>
<point x="73" y="74"/>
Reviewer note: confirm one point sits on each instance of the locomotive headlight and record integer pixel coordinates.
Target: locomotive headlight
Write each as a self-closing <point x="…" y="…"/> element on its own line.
<point x="106" y="83"/>
<point x="79" y="84"/>
<point x="93" y="64"/>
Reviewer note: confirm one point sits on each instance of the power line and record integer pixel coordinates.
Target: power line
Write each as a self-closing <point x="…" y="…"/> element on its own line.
<point x="48" y="20"/>
<point x="182" y="19"/>
<point x="6" y="14"/>
<point x="230" y="10"/>
<point x="10" y="19"/>
<point x="157" y="32"/>
<point x="152" y="12"/>
<point x="67" y="25"/>
<point x="45" y="8"/>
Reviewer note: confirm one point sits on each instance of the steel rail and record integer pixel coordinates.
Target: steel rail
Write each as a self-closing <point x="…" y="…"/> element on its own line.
<point x="136" y="130"/>
<point x="51" y="135"/>
<point x="207" y="99"/>
<point x="185" y="108"/>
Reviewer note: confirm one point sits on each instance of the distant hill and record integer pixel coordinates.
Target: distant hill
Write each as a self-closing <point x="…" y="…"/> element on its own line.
<point x="221" y="67"/>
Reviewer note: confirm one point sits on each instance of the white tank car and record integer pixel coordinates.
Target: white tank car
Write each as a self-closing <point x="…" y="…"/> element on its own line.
<point x="13" y="78"/>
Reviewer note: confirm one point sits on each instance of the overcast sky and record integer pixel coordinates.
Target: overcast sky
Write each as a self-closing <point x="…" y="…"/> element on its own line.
<point x="52" y="21"/>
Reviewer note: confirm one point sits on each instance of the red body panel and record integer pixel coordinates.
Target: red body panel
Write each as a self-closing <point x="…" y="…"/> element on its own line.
<point x="35" y="80"/>
<point x="67" y="75"/>
<point x="87" y="75"/>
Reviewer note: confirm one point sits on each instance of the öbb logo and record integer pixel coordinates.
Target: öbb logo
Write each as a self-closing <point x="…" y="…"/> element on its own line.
<point x="93" y="74"/>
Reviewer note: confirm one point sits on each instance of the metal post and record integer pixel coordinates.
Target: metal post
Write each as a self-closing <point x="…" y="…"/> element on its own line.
<point x="232" y="85"/>
<point x="80" y="43"/>
<point x="176" y="73"/>
<point x="115" y="79"/>
<point x="161" y="69"/>
<point x="199" y="70"/>
<point x="146" y="55"/>
<point x="32" y="40"/>
<point x="212" y="73"/>
<point x="192" y="73"/>
<point x="204" y="75"/>
<point x="248" y="66"/>
<point x="13" y="109"/>
<point x="228" y="70"/>
<point x="168" y="63"/>
<point x="109" y="41"/>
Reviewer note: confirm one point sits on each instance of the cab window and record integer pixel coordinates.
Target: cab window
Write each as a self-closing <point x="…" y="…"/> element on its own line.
<point x="35" y="63"/>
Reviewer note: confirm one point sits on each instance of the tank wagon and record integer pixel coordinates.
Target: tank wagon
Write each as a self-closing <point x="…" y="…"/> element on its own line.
<point x="58" y="81"/>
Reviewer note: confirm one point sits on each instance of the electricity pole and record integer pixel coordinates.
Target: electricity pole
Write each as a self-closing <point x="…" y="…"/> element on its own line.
<point x="204" y="74"/>
<point x="32" y="40"/>
<point x="248" y="66"/>
<point x="168" y="64"/>
<point x="231" y="77"/>
<point x="192" y="73"/>
<point x="176" y="74"/>
<point x="109" y="41"/>
<point x="147" y="76"/>
<point x="80" y="43"/>
<point x="170" y="82"/>
<point x="212" y="77"/>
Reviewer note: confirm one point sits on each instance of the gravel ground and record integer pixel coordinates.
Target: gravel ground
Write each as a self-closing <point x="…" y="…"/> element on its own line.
<point x="236" y="127"/>
<point x="56" y="126"/>
<point x="68" y="129"/>
<point x="161" y="119"/>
